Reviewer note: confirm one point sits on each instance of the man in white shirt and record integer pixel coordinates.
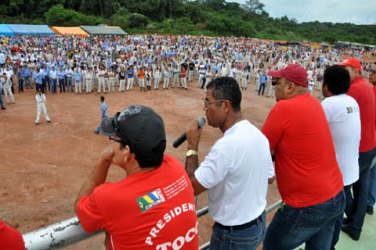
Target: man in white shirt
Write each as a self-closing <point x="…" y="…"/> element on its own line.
<point x="2" y="59"/>
<point x="235" y="172"/>
<point x="202" y="77"/>
<point x="7" y="88"/>
<point x="342" y="113"/>
<point x="40" y="97"/>
<point x="69" y="76"/>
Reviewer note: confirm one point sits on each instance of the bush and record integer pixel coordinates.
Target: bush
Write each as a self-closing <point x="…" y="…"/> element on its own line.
<point x="136" y="20"/>
<point x="58" y="15"/>
<point x="184" y="25"/>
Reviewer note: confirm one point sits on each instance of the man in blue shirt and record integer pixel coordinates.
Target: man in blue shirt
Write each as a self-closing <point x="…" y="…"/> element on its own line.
<point x="20" y="78"/>
<point x="103" y="112"/>
<point x="38" y="78"/>
<point x="26" y="76"/>
<point x="262" y="80"/>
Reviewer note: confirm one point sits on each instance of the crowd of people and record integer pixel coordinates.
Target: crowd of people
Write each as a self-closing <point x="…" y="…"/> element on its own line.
<point x="323" y="153"/>
<point x="107" y="64"/>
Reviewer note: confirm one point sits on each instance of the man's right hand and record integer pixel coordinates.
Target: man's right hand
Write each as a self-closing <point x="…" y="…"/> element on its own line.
<point x="193" y="132"/>
<point x="107" y="155"/>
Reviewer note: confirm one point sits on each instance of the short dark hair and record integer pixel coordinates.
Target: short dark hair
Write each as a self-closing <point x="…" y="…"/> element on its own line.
<point x="102" y="98"/>
<point x="226" y="88"/>
<point x="337" y="79"/>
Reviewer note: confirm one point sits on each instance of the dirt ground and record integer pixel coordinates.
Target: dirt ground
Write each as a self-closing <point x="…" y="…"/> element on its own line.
<point x="42" y="167"/>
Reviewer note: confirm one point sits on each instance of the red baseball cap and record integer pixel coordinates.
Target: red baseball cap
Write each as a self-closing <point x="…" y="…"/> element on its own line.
<point x="353" y="62"/>
<point x="293" y="72"/>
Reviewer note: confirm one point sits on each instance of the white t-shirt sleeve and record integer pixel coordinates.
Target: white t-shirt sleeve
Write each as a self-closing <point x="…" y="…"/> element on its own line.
<point x="271" y="171"/>
<point x="326" y="106"/>
<point x="214" y="168"/>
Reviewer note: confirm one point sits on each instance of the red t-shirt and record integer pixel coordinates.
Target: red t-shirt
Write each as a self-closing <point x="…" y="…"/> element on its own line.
<point x="183" y="73"/>
<point x="362" y="92"/>
<point x="305" y="161"/>
<point x="10" y="238"/>
<point x="147" y="210"/>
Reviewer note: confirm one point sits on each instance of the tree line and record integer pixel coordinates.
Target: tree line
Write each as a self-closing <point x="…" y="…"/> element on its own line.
<point x="199" y="17"/>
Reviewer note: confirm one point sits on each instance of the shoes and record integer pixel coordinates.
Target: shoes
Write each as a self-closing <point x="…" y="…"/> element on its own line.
<point x="48" y="121"/>
<point x="37" y="123"/>
<point x="345" y="222"/>
<point x="97" y="132"/>
<point x="351" y="233"/>
<point x="3" y="108"/>
<point x="369" y="210"/>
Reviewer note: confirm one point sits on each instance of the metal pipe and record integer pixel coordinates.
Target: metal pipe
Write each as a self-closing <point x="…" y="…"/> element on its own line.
<point x="202" y="211"/>
<point x="273" y="206"/>
<point x="58" y="235"/>
<point x="205" y="246"/>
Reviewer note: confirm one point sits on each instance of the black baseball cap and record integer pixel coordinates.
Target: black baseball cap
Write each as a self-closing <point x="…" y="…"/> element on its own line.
<point x="142" y="129"/>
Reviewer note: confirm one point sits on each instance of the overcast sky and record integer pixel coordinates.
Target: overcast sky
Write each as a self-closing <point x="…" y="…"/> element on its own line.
<point x="335" y="11"/>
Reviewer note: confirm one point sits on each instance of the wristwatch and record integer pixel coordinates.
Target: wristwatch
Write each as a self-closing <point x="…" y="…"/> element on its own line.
<point x="191" y="152"/>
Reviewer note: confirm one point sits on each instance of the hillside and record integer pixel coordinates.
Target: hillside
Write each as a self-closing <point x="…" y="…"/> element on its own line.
<point x="200" y="17"/>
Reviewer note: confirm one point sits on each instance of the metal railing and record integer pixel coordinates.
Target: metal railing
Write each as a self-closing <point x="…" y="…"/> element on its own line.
<point x="68" y="232"/>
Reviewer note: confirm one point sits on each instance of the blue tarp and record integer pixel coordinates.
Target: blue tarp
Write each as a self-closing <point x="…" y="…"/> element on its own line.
<point x="29" y="29"/>
<point x="5" y="30"/>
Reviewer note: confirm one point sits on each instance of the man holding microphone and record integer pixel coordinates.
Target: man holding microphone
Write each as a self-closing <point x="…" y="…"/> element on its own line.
<point x="235" y="172"/>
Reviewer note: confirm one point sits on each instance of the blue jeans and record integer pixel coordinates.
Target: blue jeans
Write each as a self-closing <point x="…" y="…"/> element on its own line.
<point x="360" y="191"/>
<point x="238" y="239"/>
<point x="61" y="85"/>
<point x="53" y="85"/>
<point x="98" y="129"/>
<point x="314" y="225"/>
<point x="1" y="99"/>
<point x="69" y="84"/>
<point x="20" y="85"/>
<point x="261" y="88"/>
<point x="339" y="222"/>
<point x="47" y="83"/>
<point x="372" y="185"/>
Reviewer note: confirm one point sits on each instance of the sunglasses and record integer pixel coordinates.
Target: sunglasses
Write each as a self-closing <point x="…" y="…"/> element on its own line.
<point x="121" y="138"/>
<point x="115" y="139"/>
<point x="275" y="81"/>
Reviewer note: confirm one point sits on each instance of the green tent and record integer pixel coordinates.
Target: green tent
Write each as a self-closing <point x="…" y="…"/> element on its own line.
<point x="103" y="30"/>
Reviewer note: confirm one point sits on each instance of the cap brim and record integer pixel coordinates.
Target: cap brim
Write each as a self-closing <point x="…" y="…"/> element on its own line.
<point x="343" y="64"/>
<point x="275" y="73"/>
<point x="106" y="126"/>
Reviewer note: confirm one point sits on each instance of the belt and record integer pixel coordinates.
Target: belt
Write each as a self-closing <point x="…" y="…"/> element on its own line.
<point x="239" y="227"/>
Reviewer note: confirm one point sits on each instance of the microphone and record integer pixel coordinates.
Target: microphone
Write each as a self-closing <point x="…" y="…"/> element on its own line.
<point x="200" y="123"/>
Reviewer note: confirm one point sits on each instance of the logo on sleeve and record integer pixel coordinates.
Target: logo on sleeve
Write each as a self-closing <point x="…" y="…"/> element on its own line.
<point x="150" y="200"/>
